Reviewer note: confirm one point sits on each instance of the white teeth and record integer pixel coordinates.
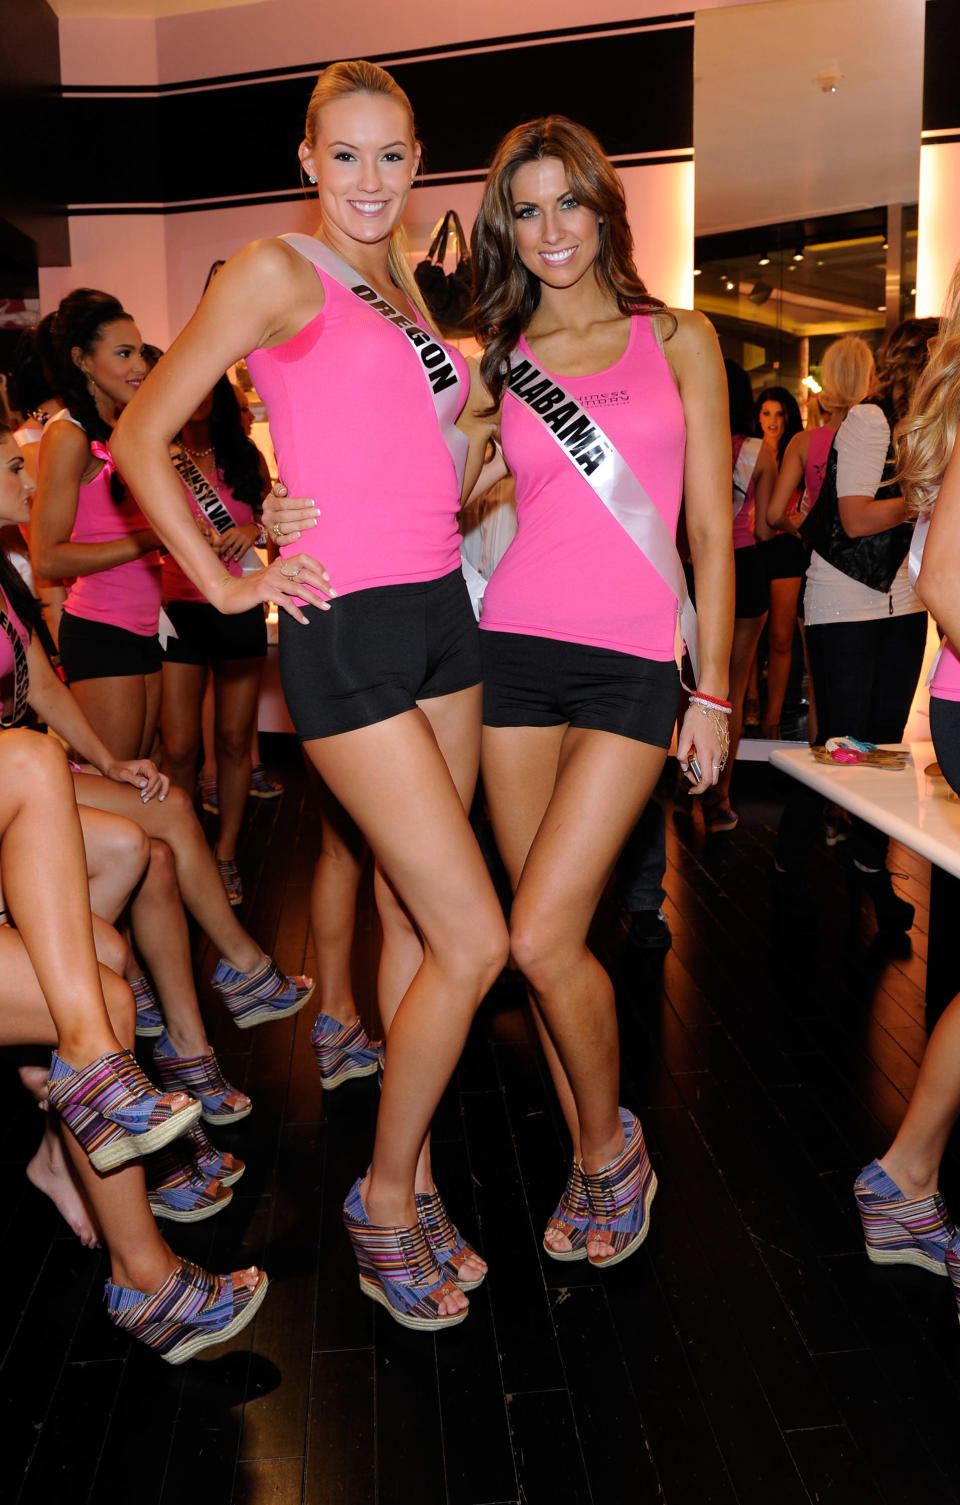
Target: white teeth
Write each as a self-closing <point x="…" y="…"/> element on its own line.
<point x="558" y="255"/>
<point x="368" y="207"/>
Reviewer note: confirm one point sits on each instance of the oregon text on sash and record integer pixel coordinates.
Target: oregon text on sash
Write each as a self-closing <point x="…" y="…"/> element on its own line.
<point x="433" y="358"/>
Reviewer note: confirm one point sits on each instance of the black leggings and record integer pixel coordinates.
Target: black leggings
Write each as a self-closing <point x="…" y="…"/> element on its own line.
<point x="945" y="731"/>
<point x="864" y="677"/>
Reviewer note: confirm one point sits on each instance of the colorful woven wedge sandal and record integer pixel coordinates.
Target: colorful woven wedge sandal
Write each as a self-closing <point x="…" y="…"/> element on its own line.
<point x="202" y="1078"/>
<point x="178" y="1190"/>
<point x="113" y="1110"/>
<point x="342" y="1051"/>
<point x="897" y="1231"/>
<point x="450" y="1248"/>
<point x="216" y="1165"/>
<point x="257" y="997"/>
<point x="149" y="1013"/>
<point x="191" y="1311"/>
<point x="620" y="1196"/>
<point x="571" y="1218"/>
<point x="398" y="1269"/>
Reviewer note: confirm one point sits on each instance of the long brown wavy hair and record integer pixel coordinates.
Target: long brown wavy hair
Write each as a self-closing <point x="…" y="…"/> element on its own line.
<point x="900" y="360"/>
<point x="506" y="294"/>
<point x="926" y="437"/>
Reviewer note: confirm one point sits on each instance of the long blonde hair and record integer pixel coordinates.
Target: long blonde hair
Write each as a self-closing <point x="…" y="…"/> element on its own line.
<point x="846" y="371"/>
<point x="360" y="77"/>
<point x="926" y="436"/>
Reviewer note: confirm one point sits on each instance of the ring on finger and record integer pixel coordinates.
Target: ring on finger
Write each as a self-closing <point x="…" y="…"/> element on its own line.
<point x="277" y="532"/>
<point x="291" y="574"/>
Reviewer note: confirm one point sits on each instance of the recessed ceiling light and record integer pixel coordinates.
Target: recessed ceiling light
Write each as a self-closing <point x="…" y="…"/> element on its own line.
<point x="798" y="254"/>
<point x="697" y="271"/>
<point x="764" y="261"/>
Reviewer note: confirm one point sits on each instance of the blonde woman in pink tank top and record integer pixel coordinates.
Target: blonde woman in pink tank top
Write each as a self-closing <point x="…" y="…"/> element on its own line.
<point x="378" y="644"/>
<point x="580" y="682"/>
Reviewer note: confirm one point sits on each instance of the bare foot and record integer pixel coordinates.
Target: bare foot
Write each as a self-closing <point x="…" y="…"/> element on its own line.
<point x="34" y="1078"/>
<point x="50" y="1172"/>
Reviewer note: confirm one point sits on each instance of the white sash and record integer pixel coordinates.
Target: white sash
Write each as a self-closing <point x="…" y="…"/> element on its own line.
<point x="588" y="448"/>
<point x="914" y="562"/>
<point x="436" y="365"/>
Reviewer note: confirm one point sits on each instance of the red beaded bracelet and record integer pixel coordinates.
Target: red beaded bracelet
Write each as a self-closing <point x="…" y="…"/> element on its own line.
<point x="721" y="705"/>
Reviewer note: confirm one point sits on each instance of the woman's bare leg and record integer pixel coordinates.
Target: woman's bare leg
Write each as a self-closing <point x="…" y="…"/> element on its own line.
<point x="781" y="626"/>
<point x="333" y="908"/>
<point x="602" y="783"/>
<point x="45" y="887"/>
<point x="746" y="636"/>
<point x="392" y="778"/>
<point x="122" y="711"/>
<point x="180" y="723"/>
<point x="913" y="1160"/>
<point x="117" y="853"/>
<point x="236" y="685"/>
<point x="175" y="822"/>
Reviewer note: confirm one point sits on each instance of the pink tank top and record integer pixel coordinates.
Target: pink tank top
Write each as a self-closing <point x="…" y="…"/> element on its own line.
<point x="176" y="585"/>
<point x="354" y="427"/>
<point x="127" y="596"/>
<point x="6" y="648"/>
<point x="743" y="524"/>
<point x="945" y="684"/>
<point x="572" y="572"/>
<point x="818" y="452"/>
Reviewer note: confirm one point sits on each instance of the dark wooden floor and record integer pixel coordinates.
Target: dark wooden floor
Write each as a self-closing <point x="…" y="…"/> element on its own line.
<point x="749" y="1353"/>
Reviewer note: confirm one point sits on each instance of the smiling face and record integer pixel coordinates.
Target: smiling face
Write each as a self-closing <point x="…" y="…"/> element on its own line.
<point x="557" y="238"/>
<point x="364" y="158"/>
<point x="115" y="366"/>
<point x="16" y="486"/>
<point x="772" y="422"/>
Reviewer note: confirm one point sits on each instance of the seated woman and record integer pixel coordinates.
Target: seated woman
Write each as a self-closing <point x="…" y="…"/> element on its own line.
<point x="253" y="987"/>
<point x="53" y="992"/>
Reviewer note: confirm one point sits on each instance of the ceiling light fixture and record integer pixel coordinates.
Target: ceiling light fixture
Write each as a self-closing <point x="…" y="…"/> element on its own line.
<point x="764" y="261"/>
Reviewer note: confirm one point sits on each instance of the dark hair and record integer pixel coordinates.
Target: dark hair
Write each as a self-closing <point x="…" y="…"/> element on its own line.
<point x="26" y="606"/>
<point x="505" y="293"/>
<point x="792" y="421"/>
<point x="900" y="361"/>
<point x="78" y="322"/>
<point x="237" y="456"/>
<point x="740" y="395"/>
<point x="29" y="381"/>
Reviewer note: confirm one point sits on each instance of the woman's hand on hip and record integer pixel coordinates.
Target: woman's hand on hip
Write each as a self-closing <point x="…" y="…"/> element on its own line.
<point x="299" y="577"/>
<point x="286" y="517"/>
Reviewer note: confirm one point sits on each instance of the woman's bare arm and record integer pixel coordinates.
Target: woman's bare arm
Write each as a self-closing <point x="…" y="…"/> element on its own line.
<point x="939" y="584"/>
<point x="64" y="459"/>
<point x="784" y="485"/>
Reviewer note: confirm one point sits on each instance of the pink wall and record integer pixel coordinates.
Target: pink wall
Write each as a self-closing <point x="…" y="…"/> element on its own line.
<point x="123" y="254"/>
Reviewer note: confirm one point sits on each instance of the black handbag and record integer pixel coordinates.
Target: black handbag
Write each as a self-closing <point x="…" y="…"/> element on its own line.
<point x="447" y="295"/>
<point x="873" y="560"/>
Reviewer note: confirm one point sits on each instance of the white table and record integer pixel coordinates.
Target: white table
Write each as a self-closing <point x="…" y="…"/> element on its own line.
<point x="920" y="812"/>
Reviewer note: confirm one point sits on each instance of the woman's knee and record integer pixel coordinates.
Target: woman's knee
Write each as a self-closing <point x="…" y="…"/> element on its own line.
<point x="162" y="870"/>
<point x="477" y="959"/>
<point x="780" y="639"/>
<point x="232" y="743"/>
<point x="35" y="758"/>
<point x="538" y="948"/>
<point x="181" y="749"/>
<point x="112" y="950"/>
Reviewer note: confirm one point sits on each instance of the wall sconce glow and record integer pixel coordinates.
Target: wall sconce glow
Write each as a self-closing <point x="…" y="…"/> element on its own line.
<point x="811" y="384"/>
<point x="729" y="285"/>
<point x="697" y="271"/>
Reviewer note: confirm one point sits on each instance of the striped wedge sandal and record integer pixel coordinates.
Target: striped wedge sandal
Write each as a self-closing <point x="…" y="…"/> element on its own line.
<point x="257" y="997"/>
<point x="342" y="1051"/>
<point x="216" y="1165"/>
<point x="450" y="1248"/>
<point x="620" y="1196"/>
<point x="149" y="1013"/>
<point x="178" y="1190"/>
<point x="399" y="1270"/>
<point x="191" y="1311"/>
<point x="202" y="1078"/>
<point x="900" y="1232"/>
<point x="114" y="1111"/>
<point x="571" y="1219"/>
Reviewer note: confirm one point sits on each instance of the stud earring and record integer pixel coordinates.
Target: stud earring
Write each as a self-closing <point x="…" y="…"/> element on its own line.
<point x="311" y="178"/>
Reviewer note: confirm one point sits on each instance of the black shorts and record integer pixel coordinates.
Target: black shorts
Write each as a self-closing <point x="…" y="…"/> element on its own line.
<point x="530" y="681"/>
<point x="376" y="652"/>
<point x="945" y="731"/>
<point x="784" y="557"/>
<point x="207" y="636"/>
<point x="752" y="590"/>
<point x="96" y="650"/>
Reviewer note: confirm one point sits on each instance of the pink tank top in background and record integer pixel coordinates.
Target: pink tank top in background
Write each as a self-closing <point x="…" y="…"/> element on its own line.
<point x="571" y="572"/>
<point x="818" y="452"/>
<point x="6" y="647"/>
<point x="354" y="427"/>
<point x="176" y="585"/>
<point x="127" y="596"/>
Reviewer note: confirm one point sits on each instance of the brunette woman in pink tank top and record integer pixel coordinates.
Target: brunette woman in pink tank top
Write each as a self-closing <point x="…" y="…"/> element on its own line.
<point x="379" y="658"/>
<point x="86" y="528"/>
<point x="904" y="1218"/>
<point x="580" y="681"/>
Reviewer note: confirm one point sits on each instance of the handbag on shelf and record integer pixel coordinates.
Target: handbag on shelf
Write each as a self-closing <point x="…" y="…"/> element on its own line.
<point x="447" y="294"/>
